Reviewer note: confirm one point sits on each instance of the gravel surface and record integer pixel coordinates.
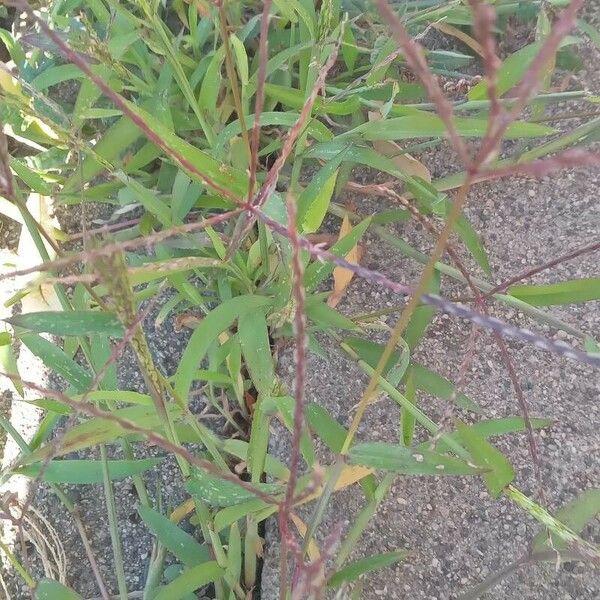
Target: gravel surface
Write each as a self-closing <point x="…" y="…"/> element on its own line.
<point x="457" y="535"/>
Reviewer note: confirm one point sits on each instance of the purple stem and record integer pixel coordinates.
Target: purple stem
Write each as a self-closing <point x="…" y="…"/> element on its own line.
<point x="451" y="308"/>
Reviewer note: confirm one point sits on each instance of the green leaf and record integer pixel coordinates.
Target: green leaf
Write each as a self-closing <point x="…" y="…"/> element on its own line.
<point x="86" y="471"/>
<point x="223" y="175"/>
<point x="88" y="93"/>
<point x="31" y="178"/>
<point x="210" y="327"/>
<point x="271" y="465"/>
<point x="575" y="515"/>
<point x="190" y="580"/>
<point x="8" y="362"/>
<point x="370" y="352"/>
<point x="211" y="83"/>
<point x="256" y="349"/>
<point x="241" y="58"/>
<point x="230" y="514"/>
<point x="118" y="396"/>
<point x="472" y="241"/>
<point x="218" y="492"/>
<point x="279" y="61"/>
<point x="591" y="345"/>
<point x="11" y="44"/>
<point x="296" y="99"/>
<point x="71" y="323"/>
<point x="422" y="316"/>
<point x="184" y="196"/>
<point x="590" y="31"/>
<point x="562" y="531"/>
<point x="48" y="589"/>
<point x="492" y="427"/>
<point x="499" y="472"/>
<point x="54" y="358"/>
<point x="569" y="59"/>
<point x="100" y="113"/>
<point x="325" y="426"/>
<point x="314" y="200"/>
<point x="390" y="457"/>
<point x="182" y="545"/>
<point x="564" y="292"/>
<point x="366" y="565"/>
<point x="286" y="406"/>
<point x="408" y="419"/>
<point x="101" y="355"/>
<point x="318" y="205"/>
<point x="333" y="435"/>
<point x="426" y="125"/>
<point x="285" y="10"/>
<point x="314" y="128"/>
<point x="509" y="74"/>
<point x="325" y="316"/>
<point x="55" y="75"/>
<point x="134" y="191"/>
<point x="100" y="431"/>
<point x="430" y="382"/>
<point x="259" y="439"/>
<point x="234" y="554"/>
<point x="289" y="7"/>
<point x="349" y="48"/>
<point x="113" y="143"/>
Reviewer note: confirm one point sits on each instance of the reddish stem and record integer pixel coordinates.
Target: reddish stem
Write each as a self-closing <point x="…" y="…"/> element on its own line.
<point x="501" y="287"/>
<point x="301" y="344"/>
<point x="153" y="438"/>
<point x="413" y="53"/>
<point x="109" y="249"/>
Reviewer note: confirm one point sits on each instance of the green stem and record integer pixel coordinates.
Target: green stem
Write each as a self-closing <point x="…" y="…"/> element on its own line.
<point x="16" y="436"/>
<point x="461" y="105"/>
<point x="411" y="408"/>
<point x="17" y="565"/>
<point x="113" y="524"/>
<point x="363" y="519"/>
<point x="157" y="563"/>
<point x="319" y="510"/>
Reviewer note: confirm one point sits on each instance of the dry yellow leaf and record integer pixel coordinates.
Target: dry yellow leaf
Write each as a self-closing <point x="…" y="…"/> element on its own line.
<point x="459" y="35"/>
<point x="313" y="549"/>
<point x="350" y="474"/>
<point x="341" y="276"/>
<point x="42" y="296"/>
<point x="183" y="510"/>
<point x="405" y="162"/>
